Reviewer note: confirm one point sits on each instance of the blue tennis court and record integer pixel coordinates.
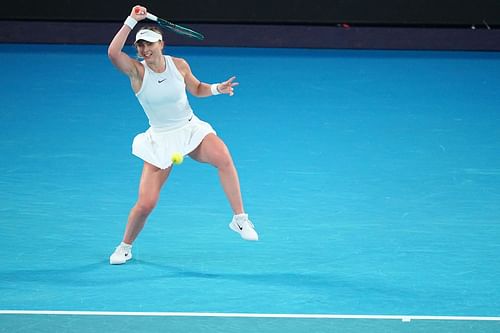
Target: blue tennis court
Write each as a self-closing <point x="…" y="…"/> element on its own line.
<point x="373" y="178"/>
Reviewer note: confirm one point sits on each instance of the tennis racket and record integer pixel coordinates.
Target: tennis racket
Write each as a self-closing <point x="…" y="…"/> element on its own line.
<point x="172" y="26"/>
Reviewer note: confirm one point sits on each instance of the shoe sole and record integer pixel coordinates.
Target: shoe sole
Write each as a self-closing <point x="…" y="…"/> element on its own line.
<point x="119" y="262"/>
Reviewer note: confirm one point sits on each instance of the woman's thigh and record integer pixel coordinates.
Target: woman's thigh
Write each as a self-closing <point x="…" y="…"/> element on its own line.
<point x="211" y="150"/>
<point x="152" y="180"/>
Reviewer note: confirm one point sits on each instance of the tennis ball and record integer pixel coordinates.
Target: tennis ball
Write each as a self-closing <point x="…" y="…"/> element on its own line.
<point x="177" y="158"/>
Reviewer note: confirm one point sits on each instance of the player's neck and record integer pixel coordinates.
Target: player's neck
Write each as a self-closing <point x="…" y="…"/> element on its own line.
<point x="158" y="64"/>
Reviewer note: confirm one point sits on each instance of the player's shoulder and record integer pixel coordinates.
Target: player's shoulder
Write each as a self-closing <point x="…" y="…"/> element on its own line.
<point x="180" y="62"/>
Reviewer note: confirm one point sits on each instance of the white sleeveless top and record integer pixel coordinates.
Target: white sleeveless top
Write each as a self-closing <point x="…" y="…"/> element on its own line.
<point x="163" y="97"/>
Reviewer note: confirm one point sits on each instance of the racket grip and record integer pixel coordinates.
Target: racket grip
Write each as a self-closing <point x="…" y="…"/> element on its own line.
<point x="152" y="17"/>
<point x="148" y="15"/>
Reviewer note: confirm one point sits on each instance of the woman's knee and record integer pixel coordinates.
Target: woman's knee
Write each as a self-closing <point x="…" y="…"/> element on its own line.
<point x="222" y="158"/>
<point x="145" y="206"/>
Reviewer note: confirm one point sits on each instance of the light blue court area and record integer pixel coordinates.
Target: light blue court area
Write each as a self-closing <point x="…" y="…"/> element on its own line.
<point x="373" y="178"/>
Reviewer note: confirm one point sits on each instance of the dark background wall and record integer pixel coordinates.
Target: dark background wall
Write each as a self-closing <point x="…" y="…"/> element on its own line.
<point x="324" y="12"/>
<point x="353" y="24"/>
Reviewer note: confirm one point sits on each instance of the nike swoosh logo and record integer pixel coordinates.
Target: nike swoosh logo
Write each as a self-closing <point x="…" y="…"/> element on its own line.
<point x="239" y="226"/>
<point x="160" y="81"/>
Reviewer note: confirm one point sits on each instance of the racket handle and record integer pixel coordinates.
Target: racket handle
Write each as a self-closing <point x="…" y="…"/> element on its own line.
<point x="148" y="15"/>
<point x="152" y="17"/>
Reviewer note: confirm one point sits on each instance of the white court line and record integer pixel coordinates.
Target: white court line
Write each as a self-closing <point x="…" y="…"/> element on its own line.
<point x="405" y="318"/>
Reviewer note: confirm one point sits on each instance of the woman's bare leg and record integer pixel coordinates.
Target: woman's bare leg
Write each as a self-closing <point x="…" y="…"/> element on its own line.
<point x="212" y="150"/>
<point x="152" y="180"/>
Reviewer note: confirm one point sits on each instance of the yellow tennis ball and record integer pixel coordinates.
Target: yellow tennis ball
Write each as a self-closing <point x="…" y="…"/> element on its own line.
<point x="177" y="158"/>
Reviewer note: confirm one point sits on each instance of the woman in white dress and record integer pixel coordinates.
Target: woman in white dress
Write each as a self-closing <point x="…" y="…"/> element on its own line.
<point x="160" y="83"/>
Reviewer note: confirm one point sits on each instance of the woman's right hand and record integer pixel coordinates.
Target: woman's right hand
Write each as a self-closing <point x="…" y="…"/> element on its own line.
<point x="139" y="13"/>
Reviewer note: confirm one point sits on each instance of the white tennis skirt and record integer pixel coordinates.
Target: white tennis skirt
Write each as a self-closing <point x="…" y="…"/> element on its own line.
<point x="157" y="146"/>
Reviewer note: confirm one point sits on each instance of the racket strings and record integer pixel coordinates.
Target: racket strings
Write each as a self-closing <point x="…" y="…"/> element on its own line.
<point x="180" y="29"/>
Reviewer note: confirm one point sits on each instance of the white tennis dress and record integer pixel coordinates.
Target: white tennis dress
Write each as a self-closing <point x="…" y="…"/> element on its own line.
<point x="173" y="125"/>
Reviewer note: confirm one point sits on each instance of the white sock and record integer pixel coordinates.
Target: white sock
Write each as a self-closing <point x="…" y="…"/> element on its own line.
<point x="128" y="246"/>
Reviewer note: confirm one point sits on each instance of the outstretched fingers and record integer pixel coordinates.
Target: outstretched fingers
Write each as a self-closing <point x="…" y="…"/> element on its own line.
<point x="227" y="86"/>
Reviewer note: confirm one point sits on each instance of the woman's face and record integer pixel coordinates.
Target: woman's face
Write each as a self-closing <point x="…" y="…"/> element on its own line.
<point x="148" y="50"/>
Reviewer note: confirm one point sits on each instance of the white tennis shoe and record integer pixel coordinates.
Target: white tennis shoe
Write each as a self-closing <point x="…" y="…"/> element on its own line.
<point x="242" y="225"/>
<point x="123" y="252"/>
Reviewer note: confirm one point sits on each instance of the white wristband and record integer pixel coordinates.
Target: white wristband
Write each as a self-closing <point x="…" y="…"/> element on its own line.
<point x="214" y="89"/>
<point x="130" y="22"/>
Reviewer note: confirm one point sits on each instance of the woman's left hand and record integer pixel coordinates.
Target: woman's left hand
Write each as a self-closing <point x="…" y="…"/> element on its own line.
<point x="227" y="86"/>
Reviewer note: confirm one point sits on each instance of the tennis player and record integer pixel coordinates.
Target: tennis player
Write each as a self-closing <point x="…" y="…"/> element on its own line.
<point x="159" y="83"/>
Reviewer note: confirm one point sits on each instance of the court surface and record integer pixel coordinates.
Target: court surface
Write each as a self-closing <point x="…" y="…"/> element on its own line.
<point x="373" y="179"/>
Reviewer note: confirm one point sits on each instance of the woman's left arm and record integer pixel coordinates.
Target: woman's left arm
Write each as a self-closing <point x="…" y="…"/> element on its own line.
<point x="201" y="89"/>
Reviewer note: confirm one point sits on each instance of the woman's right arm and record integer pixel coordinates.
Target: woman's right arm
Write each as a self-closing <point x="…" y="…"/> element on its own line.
<point x="119" y="58"/>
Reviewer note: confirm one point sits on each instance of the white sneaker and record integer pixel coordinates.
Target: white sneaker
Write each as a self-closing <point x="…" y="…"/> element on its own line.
<point x="123" y="252"/>
<point x="242" y="225"/>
